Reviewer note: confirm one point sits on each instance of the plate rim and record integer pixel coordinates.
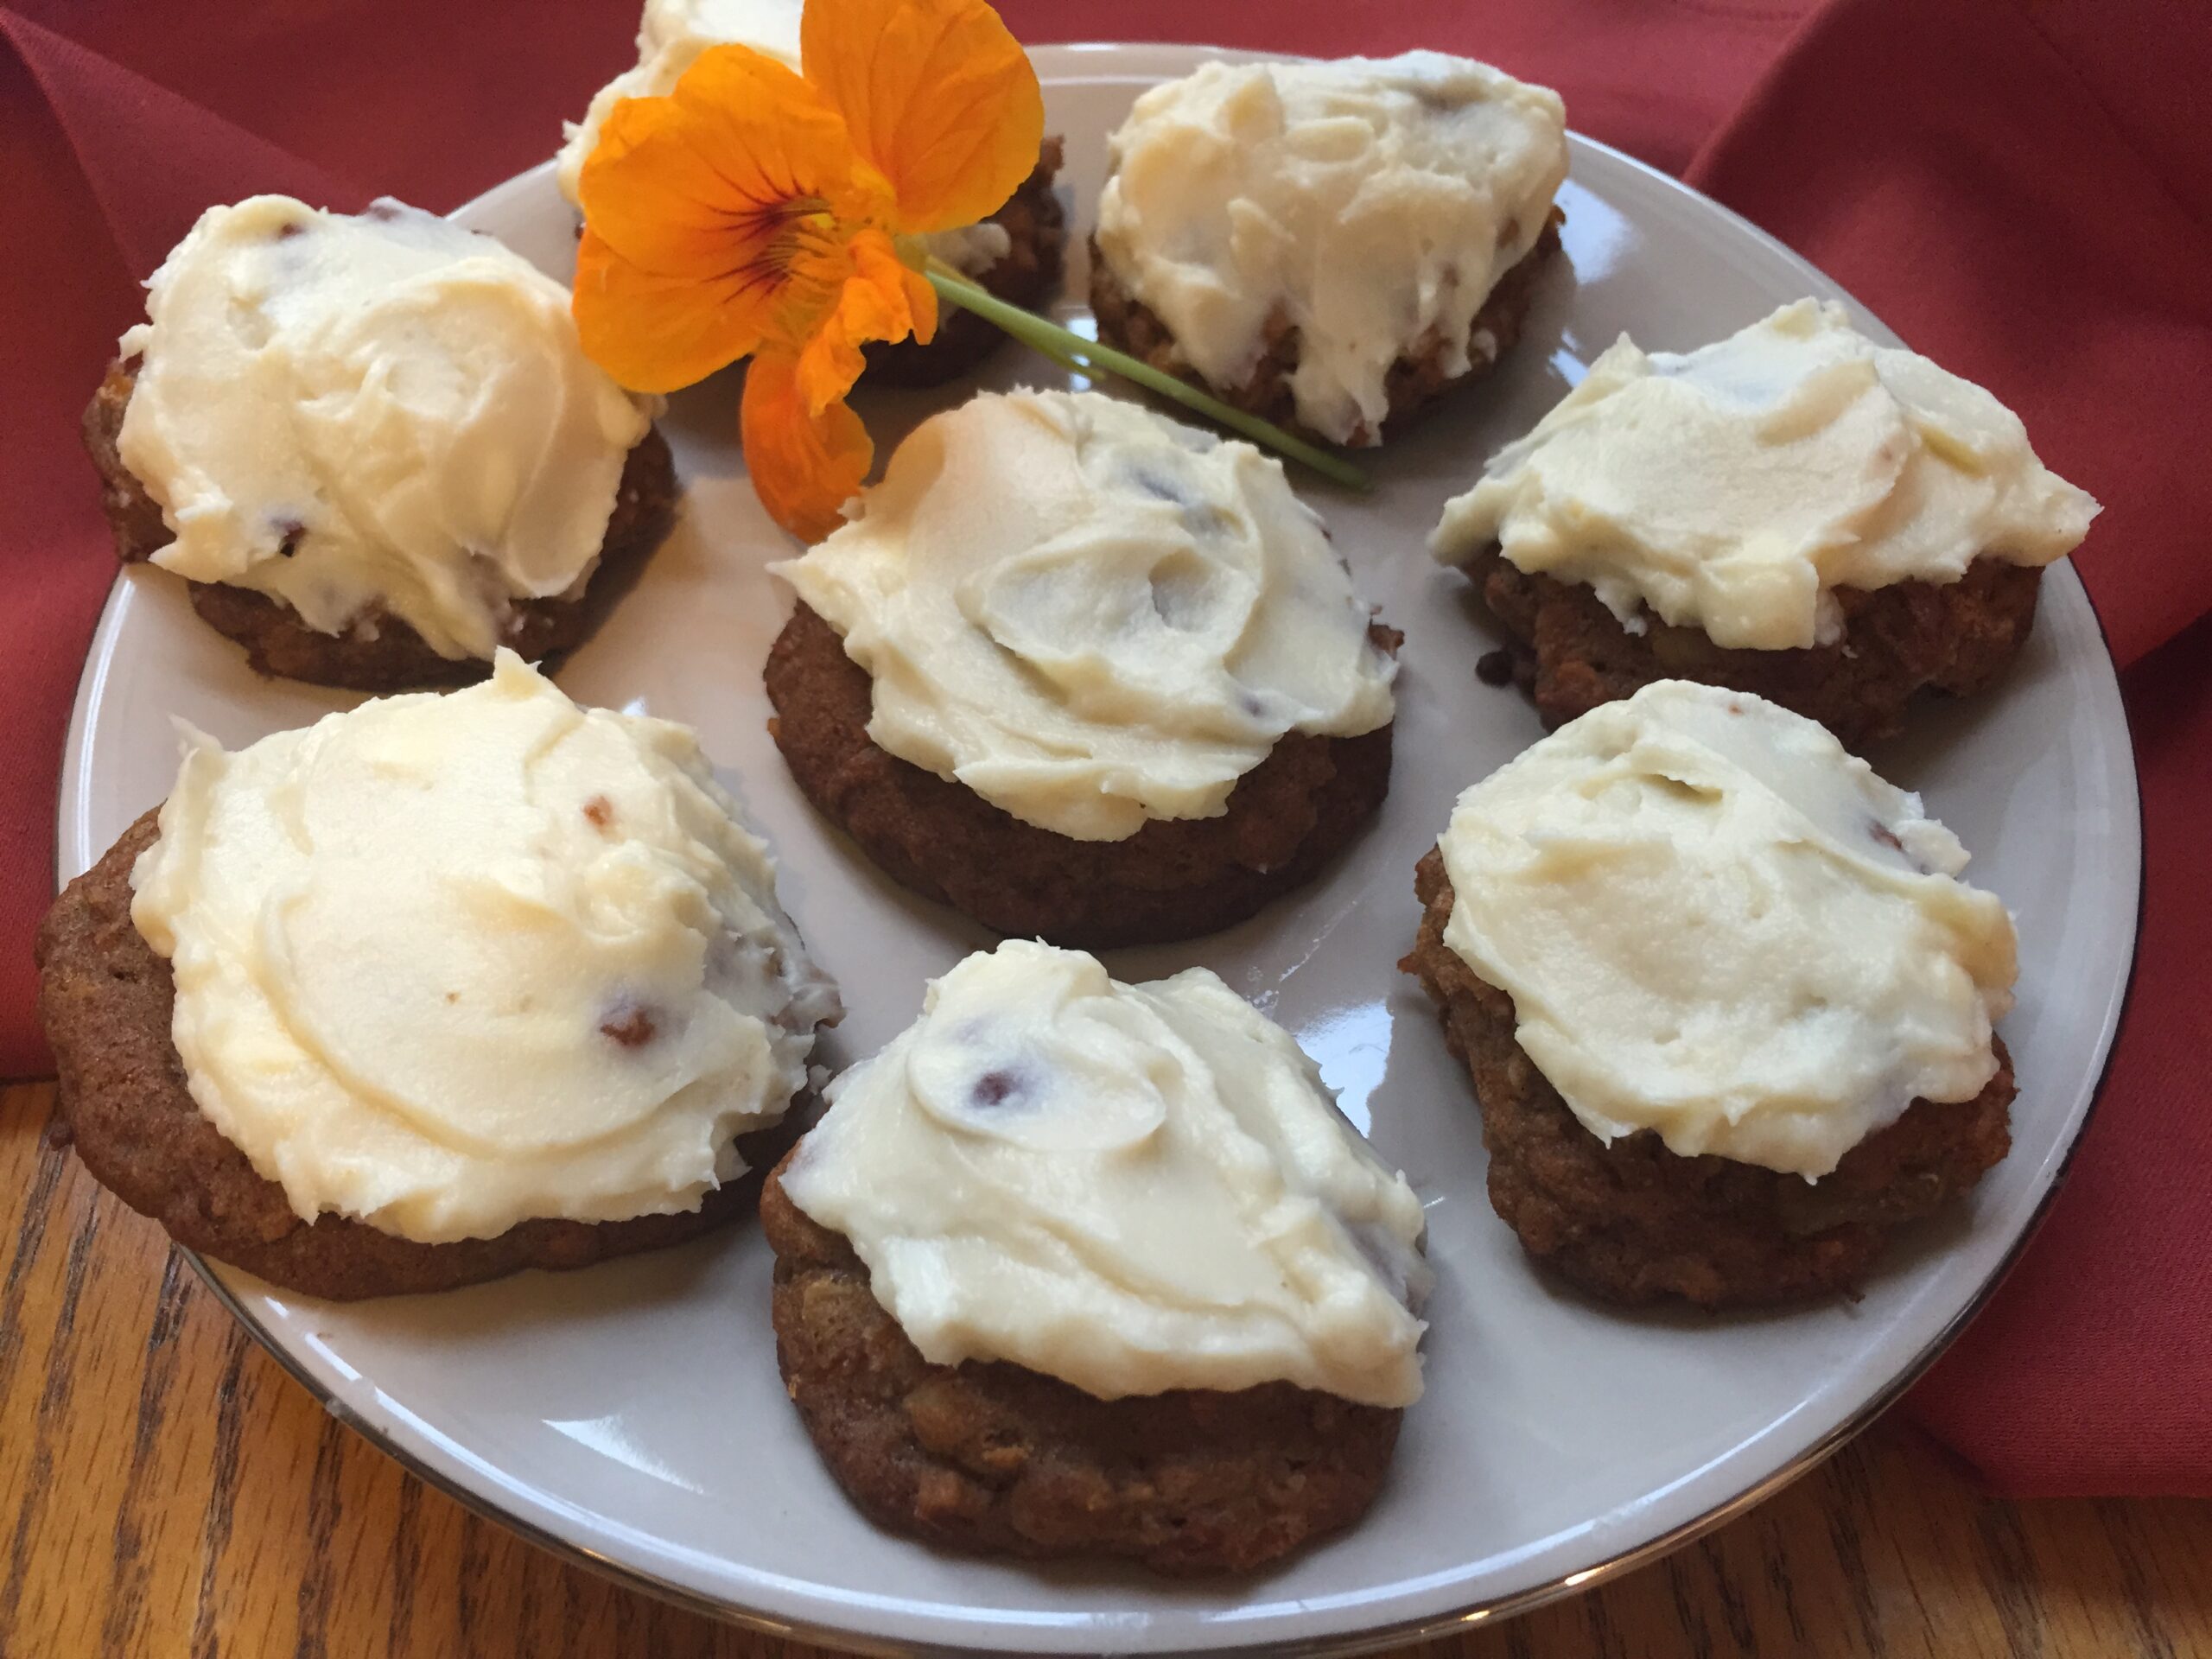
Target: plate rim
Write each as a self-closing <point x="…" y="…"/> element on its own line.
<point x="1105" y="60"/>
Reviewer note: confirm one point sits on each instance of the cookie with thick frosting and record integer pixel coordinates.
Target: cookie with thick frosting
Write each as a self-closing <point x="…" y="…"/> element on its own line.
<point x="1793" y="511"/>
<point x="1078" y="1268"/>
<point x="1330" y="244"/>
<point x="1729" y="1010"/>
<point x="431" y="991"/>
<point x="374" y="447"/>
<point x="1087" y="673"/>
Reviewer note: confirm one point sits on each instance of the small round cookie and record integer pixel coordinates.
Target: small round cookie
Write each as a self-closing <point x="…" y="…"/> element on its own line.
<point x="106" y="1001"/>
<point x="1793" y="512"/>
<point x="394" y="461"/>
<point x="1725" y="1007"/>
<point x="1016" y="253"/>
<point x="1085" y="674"/>
<point x="568" y="1069"/>
<point x="1329" y="246"/>
<point x="1226" y="1390"/>
<point x="378" y="652"/>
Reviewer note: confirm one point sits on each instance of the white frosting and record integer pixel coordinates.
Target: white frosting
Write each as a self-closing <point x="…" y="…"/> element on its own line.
<point x="1716" y="924"/>
<point x="1091" y="616"/>
<point x="972" y="248"/>
<point x="1132" y="1188"/>
<point x="1734" y="487"/>
<point x="670" y="36"/>
<point x="446" y="964"/>
<point x="1370" y="204"/>
<point x="387" y="411"/>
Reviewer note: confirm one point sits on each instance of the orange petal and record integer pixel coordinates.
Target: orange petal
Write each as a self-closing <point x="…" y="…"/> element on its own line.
<point x="805" y="464"/>
<point x="738" y="140"/>
<point x="938" y="97"/>
<point x="882" y="298"/>
<point x="715" y="220"/>
<point x="877" y="260"/>
<point x="657" y="333"/>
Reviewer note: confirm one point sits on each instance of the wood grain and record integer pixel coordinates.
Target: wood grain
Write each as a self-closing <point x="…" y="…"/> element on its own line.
<point x="165" y="1489"/>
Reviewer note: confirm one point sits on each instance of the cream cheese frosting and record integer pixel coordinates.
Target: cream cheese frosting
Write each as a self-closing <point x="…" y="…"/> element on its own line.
<point x="1132" y="1188"/>
<point x="1735" y="488"/>
<point x="1370" y="204"/>
<point x="670" y="36"/>
<point x="385" y="412"/>
<point x="445" y="964"/>
<point x="1090" y="615"/>
<point x="1717" y="925"/>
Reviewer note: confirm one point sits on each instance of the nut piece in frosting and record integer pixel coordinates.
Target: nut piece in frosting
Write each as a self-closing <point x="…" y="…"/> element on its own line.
<point x="446" y="965"/>
<point x="1092" y="616"/>
<point x="1327" y="235"/>
<point x="385" y="415"/>
<point x="1733" y="489"/>
<point x="1727" y="1007"/>
<point x="1130" y="1188"/>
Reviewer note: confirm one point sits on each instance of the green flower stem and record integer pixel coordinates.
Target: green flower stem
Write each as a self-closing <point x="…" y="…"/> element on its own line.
<point x="1071" y="351"/>
<point x="1058" y="355"/>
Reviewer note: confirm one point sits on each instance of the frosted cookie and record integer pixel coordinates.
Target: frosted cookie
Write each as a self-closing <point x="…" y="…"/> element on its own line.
<point x="374" y="447"/>
<point x="1016" y="253"/>
<point x="1077" y="1268"/>
<point x="430" y="991"/>
<point x="1728" y="1009"/>
<point x="1084" y="673"/>
<point x="1792" y="511"/>
<point x="1330" y="244"/>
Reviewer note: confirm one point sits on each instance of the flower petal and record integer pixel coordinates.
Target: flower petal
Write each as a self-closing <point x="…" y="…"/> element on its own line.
<point x="725" y="155"/>
<point x="716" y="220"/>
<point x="657" y="333"/>
<point x="937" y="96"/>
<point x="805" y="464"/>
<point x="876" y="258"/>
<point x="883" y="298"/>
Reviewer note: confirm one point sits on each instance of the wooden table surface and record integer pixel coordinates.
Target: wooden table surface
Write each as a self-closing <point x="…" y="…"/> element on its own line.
<point x="167" y="1489"/>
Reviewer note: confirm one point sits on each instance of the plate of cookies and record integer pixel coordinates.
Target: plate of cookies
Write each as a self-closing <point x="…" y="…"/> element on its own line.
<point x="1122" y="850"/>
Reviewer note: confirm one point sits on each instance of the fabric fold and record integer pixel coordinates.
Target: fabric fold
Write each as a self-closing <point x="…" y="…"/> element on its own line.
<point x="151" y="159"/>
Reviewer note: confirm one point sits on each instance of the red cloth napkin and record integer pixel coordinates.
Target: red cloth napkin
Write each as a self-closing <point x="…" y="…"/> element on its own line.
<point x="2023" y="190"/>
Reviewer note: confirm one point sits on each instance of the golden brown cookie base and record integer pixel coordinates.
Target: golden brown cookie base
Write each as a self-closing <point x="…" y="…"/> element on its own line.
<point x="1036" y="237"/>
<point x="1174" y="879"/>
<point x="379" y="652"/>
<point x="1414" y="381"/>
<point x="1634" y="1223"/>
<point x="106" y="999"/>
<point x="997" y="1459"/>
<point x="1957" y="638"/>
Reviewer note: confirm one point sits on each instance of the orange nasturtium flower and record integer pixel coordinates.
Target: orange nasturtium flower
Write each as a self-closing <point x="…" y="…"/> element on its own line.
<point x="756" y="213"/>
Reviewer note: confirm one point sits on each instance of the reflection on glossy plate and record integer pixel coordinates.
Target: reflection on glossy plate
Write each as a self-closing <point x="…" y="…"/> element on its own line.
<point x="632" y="1413"/>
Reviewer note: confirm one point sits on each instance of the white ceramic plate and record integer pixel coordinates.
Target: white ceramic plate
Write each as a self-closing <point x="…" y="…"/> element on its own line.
<point x="632" y="1413"/>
